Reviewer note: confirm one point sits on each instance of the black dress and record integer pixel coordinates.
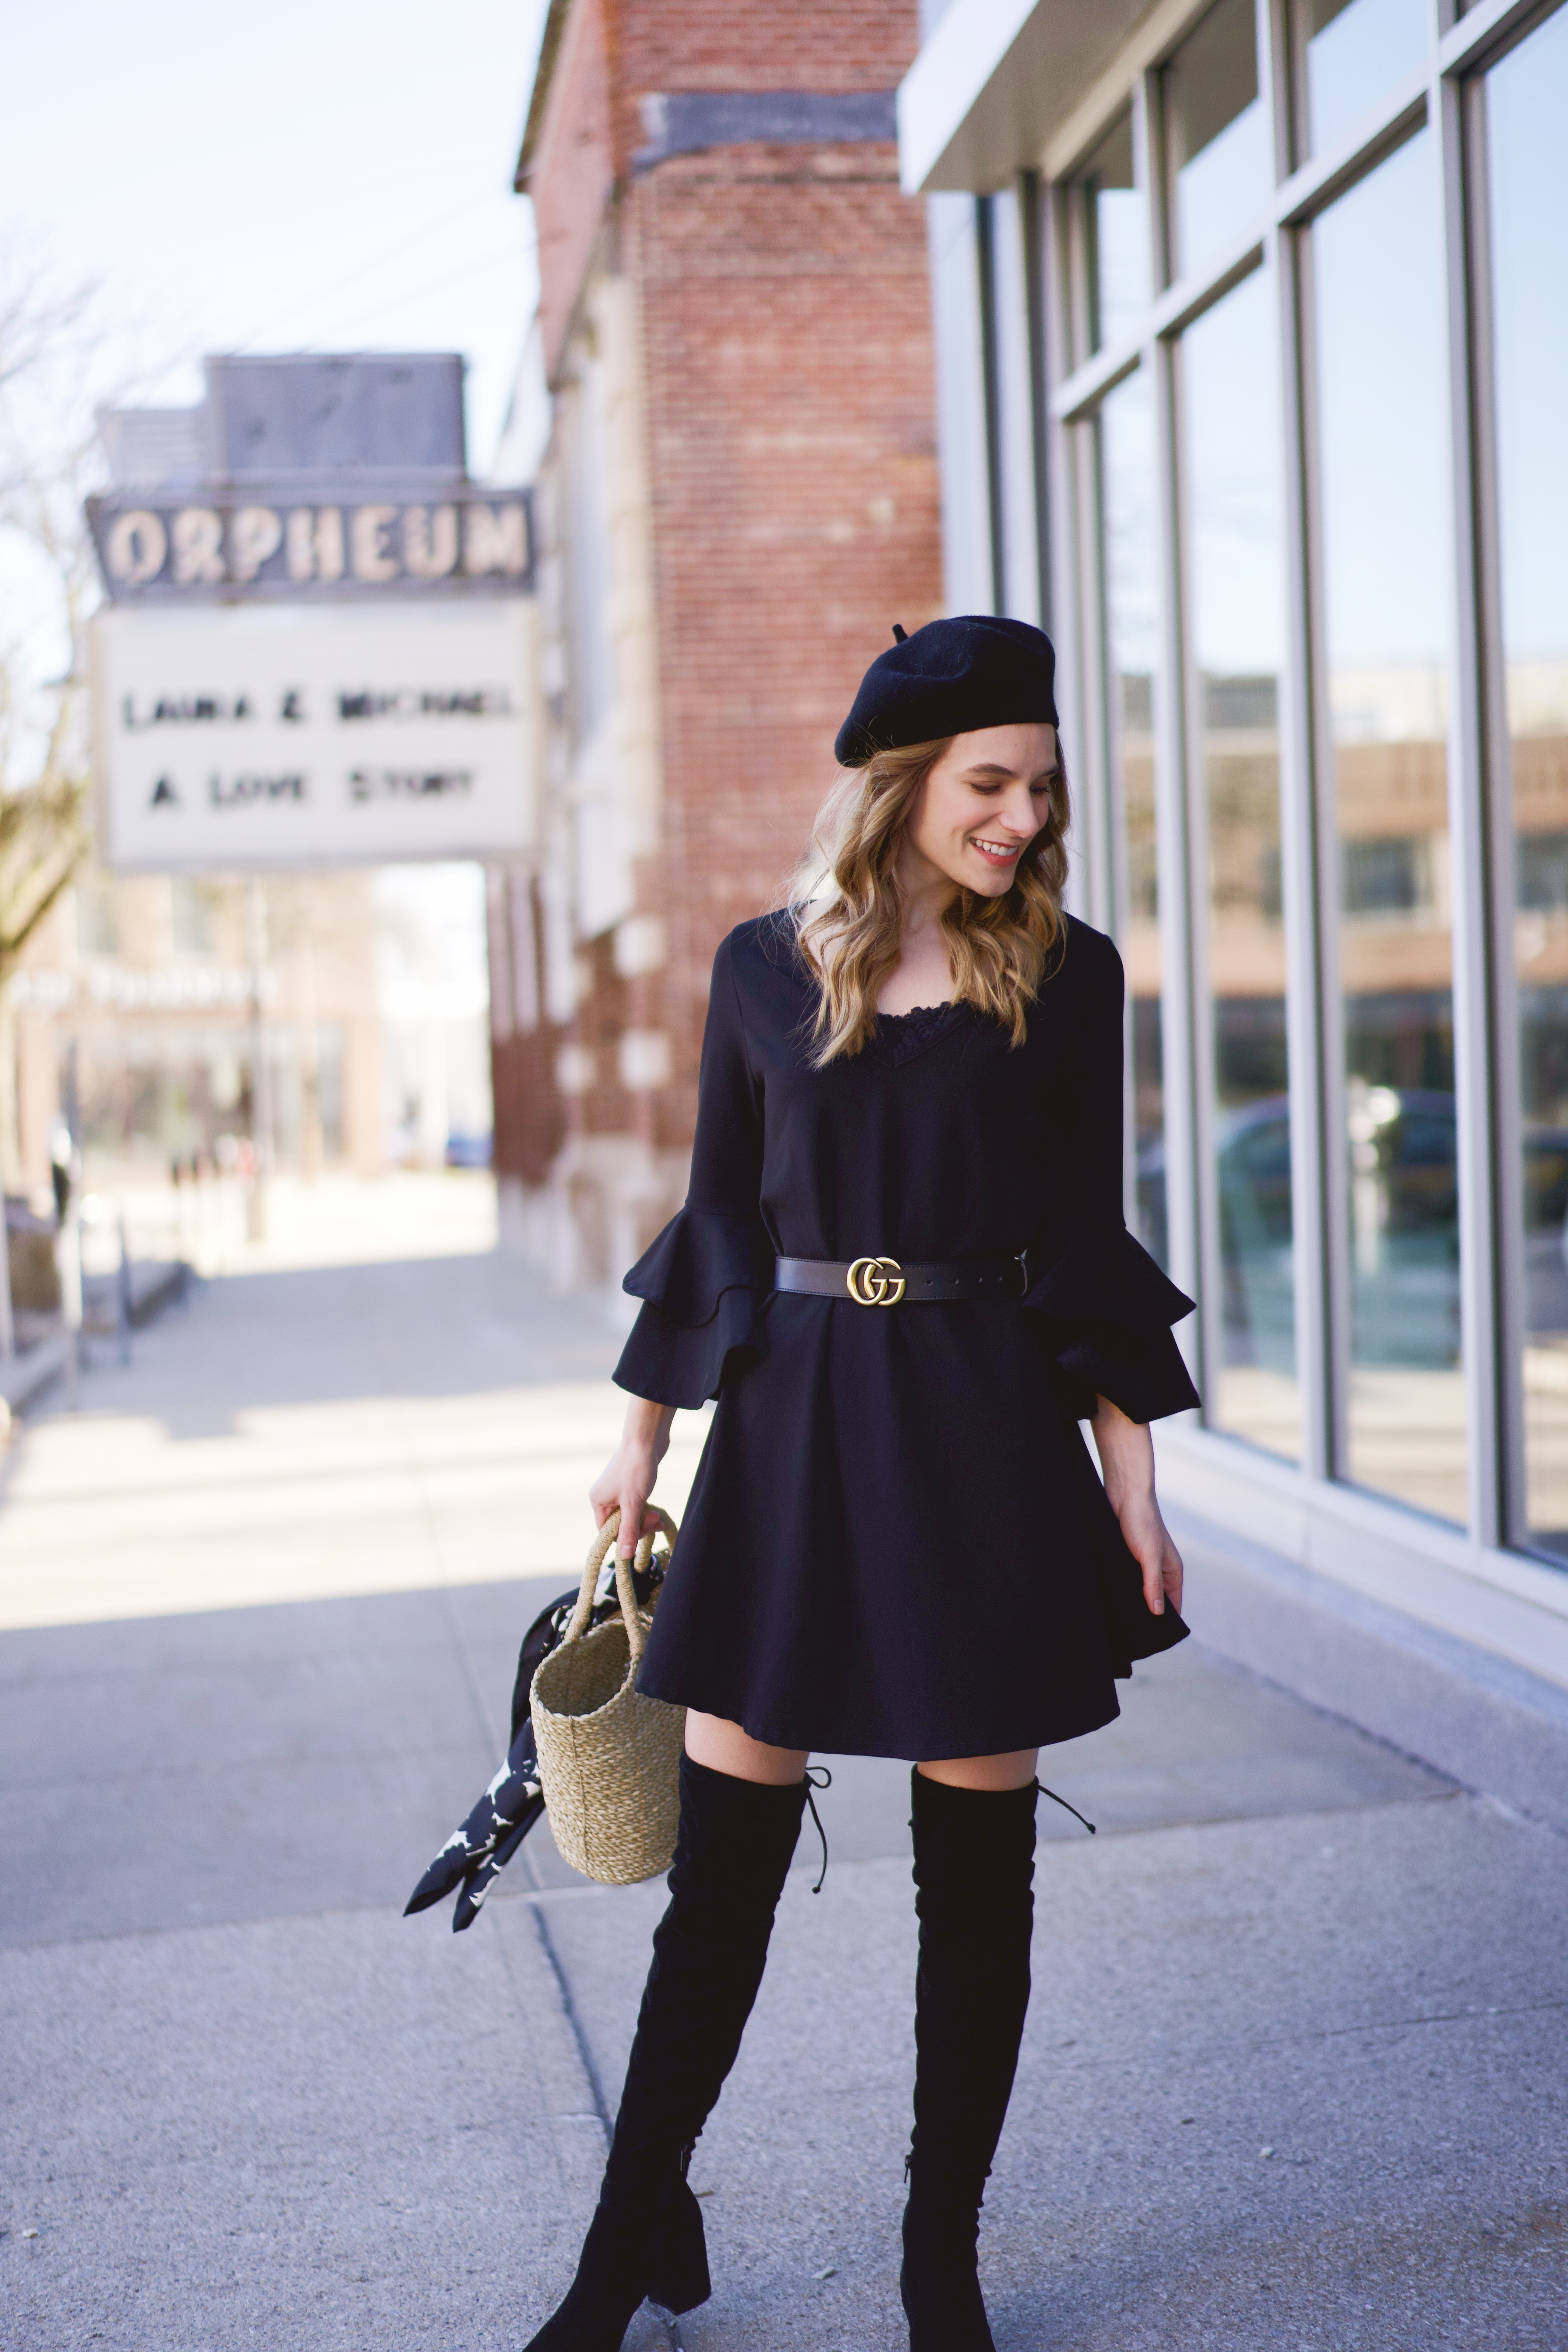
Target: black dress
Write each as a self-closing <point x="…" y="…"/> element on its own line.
<point x="896" y="1543"/>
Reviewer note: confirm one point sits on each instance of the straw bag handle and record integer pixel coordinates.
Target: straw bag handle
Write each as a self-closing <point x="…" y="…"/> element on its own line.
<point x="625" y="1589"/>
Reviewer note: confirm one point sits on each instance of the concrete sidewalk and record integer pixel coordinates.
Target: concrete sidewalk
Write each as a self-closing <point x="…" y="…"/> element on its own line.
<point x="1293" y="2073"/>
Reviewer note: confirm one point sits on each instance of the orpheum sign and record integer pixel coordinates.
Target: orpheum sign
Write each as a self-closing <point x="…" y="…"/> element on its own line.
<point x="319" y="641"/>
<point x="265" y="542"/>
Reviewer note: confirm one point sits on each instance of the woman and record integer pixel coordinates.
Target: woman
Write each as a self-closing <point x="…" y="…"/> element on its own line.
<point x="902" y="1270"/>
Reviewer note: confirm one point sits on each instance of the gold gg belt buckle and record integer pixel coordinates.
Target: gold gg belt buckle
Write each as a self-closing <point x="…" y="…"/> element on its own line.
<point x="875" y="1282"/>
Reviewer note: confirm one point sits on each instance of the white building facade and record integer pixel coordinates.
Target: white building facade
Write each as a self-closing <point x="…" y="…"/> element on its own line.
<point x="1252" y="316"/>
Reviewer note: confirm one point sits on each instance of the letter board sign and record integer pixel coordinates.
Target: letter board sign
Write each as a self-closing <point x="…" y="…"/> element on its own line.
<point x="313" y="735"/>
<point x="287" y="543"/>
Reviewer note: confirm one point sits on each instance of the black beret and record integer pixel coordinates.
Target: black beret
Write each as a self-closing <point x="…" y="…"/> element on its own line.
<point x="948" y="678"/>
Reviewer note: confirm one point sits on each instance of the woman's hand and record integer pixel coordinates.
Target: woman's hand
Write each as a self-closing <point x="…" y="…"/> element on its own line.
<point x="626" y="1482"/>
<point x="1127" y="1465"/>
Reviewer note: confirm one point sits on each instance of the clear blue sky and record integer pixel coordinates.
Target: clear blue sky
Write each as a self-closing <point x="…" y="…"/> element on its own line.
<point x="326" y="175"/>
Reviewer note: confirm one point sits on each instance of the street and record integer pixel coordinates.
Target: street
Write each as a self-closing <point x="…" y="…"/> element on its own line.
<point x="1293" y="2070"/>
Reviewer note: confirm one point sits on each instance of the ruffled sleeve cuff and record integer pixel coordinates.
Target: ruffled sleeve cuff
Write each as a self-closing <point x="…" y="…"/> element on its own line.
<point x="1107" y="1311"/>
<point x="701" y="1285"/>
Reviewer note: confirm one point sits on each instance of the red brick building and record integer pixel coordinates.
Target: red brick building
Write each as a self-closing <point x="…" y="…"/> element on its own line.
<point x="739" y="498"/>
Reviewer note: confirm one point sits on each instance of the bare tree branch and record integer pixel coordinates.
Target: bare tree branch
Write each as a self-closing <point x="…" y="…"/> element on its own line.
<point x="46" y="458"/>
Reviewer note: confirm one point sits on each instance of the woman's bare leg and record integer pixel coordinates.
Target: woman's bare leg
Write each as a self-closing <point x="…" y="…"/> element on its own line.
<point x="725" y="1748"/>
<point x="1014" y="1771"/>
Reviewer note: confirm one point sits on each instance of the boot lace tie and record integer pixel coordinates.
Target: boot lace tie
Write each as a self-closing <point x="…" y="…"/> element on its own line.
<point x="825" y="1782"/>
<point x="1066" y="1807"/>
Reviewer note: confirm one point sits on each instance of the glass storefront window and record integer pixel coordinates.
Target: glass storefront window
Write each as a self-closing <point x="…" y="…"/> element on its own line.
<point x="1217" y="135"/>
<point x="1527" y="104"/>
<point x="1350" y="53"/>
<point x="1376" y="269"/>
<point x="1129" y="520"/>
<point x="1235" y="568"/>
<point x="1116" y="240"/>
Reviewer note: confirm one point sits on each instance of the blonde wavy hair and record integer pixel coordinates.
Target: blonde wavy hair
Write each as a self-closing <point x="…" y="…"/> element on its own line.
<point x="847" y="905"/>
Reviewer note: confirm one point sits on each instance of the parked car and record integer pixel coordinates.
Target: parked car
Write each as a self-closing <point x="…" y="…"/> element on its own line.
<point x="467" y="1151"/>
<point x="1403" y="1218"/>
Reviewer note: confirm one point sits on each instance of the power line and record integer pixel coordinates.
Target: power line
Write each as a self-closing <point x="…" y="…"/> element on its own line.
<point x="365" y="269"/>
<point x="418" y="293"/>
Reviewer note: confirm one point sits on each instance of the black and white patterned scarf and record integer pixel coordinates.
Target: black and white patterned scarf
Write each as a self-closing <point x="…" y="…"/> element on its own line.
<point x="475" y="1855"/>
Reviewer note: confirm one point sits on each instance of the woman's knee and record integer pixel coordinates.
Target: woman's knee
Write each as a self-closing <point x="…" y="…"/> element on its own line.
<point x="1014" y="1771"/>
<point x="724" y="1747"/>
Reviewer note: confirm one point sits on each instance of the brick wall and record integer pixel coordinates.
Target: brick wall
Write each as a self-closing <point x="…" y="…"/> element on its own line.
<point x="785" y="319"/>
<point x="573" y="177"/>
<point x="786" y="322"/>
<point x="529" y="1117"/>
<point x="825" y="45"/>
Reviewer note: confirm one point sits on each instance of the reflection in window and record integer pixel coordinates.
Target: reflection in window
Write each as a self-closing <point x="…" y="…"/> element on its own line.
<point x="1543" y="870"/>
<point x="1387" y="875"/>
<point x="1376" y="269"/>
<point x="1217" y="135"/>
<point x="1128" y="509"/>
<point x="1527" y="104"/>
<point x="1351" y="52"/>
<point x="1116" y="240"/>
<point x="1235" y="566"/>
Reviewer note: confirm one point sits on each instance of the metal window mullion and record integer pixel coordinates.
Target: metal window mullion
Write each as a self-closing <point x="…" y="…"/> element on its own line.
<point x="1017" y="475"/>
<point x="1508" y="1144"/>
<point x="1301" y="869"/>
<point x="1486" y="29"/>
<point x="1303" y="881"/>
<point x="1074" y="685"/>
<point x="1108" y="901"/>
<point x="1186" y="1118"/>
<point x="1172" y="845"/>
<point x="1292" y="69"/>
<point x="1104" y="896"/>
<point x="1147" y="139"/>
<point x="1470" y="865"/>
<point x="1199" y="1025"/>
<point x="1271" y="19"/>
<point x="1032" y="202"/>
<point x="1318" y="806"/>
<point x="1118" y="908"/>
<point x="1149" y="154"/>
<point x="1067" y="318"/>
<point x="1309" y="189"/>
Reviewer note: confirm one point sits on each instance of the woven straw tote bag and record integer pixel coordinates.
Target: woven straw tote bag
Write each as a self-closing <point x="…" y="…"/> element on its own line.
<point x="609" y="1759"/>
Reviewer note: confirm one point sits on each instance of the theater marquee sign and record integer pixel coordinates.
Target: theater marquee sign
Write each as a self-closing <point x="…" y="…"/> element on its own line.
<point x="265" y="544"/>
<point x="272" y="735"/>
<point x="319" y="644"/>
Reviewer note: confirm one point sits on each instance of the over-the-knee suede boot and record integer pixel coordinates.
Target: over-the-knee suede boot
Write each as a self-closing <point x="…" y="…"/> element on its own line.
<point x="645" y="2238"/>
<point x="975" y="1870"/>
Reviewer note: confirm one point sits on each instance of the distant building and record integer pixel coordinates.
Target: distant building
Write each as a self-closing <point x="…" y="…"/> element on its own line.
<point x="305" y="599"/>
<point x="134" y="1013"/>
<point x="737" y="499"/>
<point x="1248" y="313"/>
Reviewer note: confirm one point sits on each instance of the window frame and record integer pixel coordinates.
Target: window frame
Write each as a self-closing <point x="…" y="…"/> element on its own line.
<point x="1447" y="94"/>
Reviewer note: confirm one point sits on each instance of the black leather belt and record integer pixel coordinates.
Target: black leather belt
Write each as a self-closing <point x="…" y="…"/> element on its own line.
<point x="883" y="1282"/>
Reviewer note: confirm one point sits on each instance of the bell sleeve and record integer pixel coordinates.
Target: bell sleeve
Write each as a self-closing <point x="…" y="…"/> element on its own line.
<point x="1105" y="1308"/>
<point x="704" y="1280"/>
